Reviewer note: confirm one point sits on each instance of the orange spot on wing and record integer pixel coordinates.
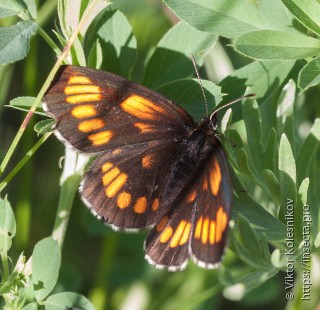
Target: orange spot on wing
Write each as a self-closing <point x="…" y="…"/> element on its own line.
<point x="106" y="166"/>
<point x="73" y="99"/>
<point x="142" y="108"/>
<point x="145" y="128"/>
<point x="215" y="178"/>
<point x="91" y="125"/>
<point x="163" y="222"/>
<point x="186" y="234"/>
<point x="123" y="200"/>
<point x="197" y="234"/>
<point x="205" y="230"/>
<point x="140" y="205"/>
<point x="212" y="231"/>
<point x="192" y="196"/>
<point x="81" y="89"/>
<point x="116" y="185"/>
<point x="111" y="175"/>
<point x="166" y="234"/>
<point x="205" y="184"/>
<point x="224" y="220"/>
<point x="100" y="138"/>
<point x="147" y="161"/>
<point x="155" y="204"/>
<point x="79" y="79"/>
<point x="117" y="151"/>
<point x="82" y="111"/>
<point x="221" y="220"/>
<point x="219" y="224"/>
<point x="177" y="234"/>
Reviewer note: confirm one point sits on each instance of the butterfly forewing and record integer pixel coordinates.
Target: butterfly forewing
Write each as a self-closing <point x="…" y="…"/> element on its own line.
<point x="107" y="111"/>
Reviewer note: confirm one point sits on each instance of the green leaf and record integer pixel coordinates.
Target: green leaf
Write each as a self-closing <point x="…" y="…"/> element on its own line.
<point x="117" y="41"/>
<point x="252" y="119"/>
<point x="226" y="121"/>
<point x="303" y="191"/>
<point x="285" y="115"/>
<point x="286" y="160"/>
<point x="263" y="78"/>
<point x="17" y="7"/>
<point x="77" y="52"/>
<point x="273" y="185"/>
<point x="14" y="41"/>
<point x="257" y="215"/>
<point x="4" y="12"/>
<point x="242" y="163"/>
<point x="317" y="240"/>
<point x="44" y="126"/>
<point x="95" y="57"/>
<point x="272" y="44"/>
<point x="308" y="150"/>
<point x="226" y="18"/>
<point x="7" y="225"/>
<point x="310" y="74"/>
<point x="307" y="12"/>
<point x="243" y="284"/>
<point x="287" y="180"/>
<point x="234" y="139"/>
<point x="25" y="103"/>
<point x="303" y="213"/>
<point x="68" y="300"/>
<point x="169" y="63"/>
<point x="32" y="9"/>
<point x="250" y="248"/>
<point x="188" y="94"/>
<point x="270" y="153"/>
<point x="31" y="306"/>
<point x="276" y="16"/>
<point x="46" y="260"/>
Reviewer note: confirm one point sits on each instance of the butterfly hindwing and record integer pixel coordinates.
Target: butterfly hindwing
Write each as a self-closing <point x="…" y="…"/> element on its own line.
<point x="197" y="226"/>
<point x="96" y="111"/>
<point x="212" y="211"/>
<point x="123" y="185"/>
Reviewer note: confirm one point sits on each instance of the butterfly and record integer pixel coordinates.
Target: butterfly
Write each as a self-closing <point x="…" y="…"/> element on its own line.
<point x="155" y="167"/>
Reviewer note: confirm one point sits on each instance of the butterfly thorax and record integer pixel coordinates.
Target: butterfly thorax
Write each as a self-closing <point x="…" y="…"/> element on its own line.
<point x="191" y="159"/>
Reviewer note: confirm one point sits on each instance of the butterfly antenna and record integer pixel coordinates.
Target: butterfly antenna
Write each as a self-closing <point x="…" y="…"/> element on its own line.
<point x="230" y="103"/>
<point x="202" y="89"/>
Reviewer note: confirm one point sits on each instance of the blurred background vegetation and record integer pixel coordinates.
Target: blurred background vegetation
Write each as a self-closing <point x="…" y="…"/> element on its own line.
<point x="107" y="266"/>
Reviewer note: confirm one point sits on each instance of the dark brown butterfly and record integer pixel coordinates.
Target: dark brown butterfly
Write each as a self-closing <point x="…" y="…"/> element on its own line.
<point x="155" y="167"/>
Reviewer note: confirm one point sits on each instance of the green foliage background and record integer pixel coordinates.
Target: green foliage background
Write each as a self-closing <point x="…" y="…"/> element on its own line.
<point x="268" y="47"/>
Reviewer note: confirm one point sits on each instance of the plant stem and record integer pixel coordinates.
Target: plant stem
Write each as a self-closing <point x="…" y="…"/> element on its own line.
<point x="23" y="161"/>
<point x="48" y="40"/>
